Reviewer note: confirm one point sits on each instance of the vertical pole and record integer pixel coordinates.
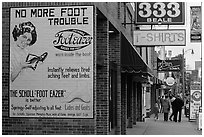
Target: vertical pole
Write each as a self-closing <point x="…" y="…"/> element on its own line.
<point x="170" y="72"/>
<point x="135" y="13"/>
<point x="183" y="74"/>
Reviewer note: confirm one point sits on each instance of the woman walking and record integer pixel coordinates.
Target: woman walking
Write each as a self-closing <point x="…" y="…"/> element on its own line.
<point x="156" y="111"/>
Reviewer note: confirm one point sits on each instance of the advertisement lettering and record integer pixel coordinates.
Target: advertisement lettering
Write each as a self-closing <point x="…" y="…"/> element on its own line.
<point x="72" y="39"/>
<point x="159" y="38"/>
<point x="51" y="62"/>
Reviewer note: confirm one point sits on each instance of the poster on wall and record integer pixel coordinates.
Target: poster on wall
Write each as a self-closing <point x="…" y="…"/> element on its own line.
<point x="51" y="62"/>
<point x="195" y="103"/>
<point x="195" y="24"/>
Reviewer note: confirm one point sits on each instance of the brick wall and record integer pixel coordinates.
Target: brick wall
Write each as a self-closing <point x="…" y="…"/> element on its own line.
<point x="33" y="125"/>
<point x="115" y="43"/>
<point x="102" y="95"/>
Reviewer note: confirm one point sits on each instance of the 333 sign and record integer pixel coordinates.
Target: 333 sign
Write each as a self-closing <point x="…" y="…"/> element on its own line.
<point x="168" y="13"/>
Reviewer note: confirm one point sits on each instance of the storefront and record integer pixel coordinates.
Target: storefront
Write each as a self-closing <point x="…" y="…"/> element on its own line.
<point x="84" y="76"/>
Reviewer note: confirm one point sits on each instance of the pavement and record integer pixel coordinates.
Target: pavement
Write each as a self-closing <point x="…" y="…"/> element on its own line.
<point x="161" y="127"/>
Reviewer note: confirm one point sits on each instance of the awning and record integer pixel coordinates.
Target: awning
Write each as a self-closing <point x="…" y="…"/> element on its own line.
<point x="131" y="61"/>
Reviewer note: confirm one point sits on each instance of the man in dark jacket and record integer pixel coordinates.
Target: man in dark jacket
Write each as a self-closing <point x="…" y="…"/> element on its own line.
<point x="179" y="103"/>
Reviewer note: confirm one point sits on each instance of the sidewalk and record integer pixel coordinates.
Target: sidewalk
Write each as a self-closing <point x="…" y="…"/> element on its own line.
<point x="159" y="127"/>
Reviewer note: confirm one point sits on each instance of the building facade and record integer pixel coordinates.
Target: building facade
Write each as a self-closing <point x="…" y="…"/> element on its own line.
<point x="120" y="79"/>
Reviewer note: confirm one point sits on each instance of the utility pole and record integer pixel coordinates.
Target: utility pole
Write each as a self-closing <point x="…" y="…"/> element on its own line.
<point x="183" y="75"/>
<point x="183" y="71"/>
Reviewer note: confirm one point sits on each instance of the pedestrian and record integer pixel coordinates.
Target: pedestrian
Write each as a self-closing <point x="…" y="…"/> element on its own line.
<point x="166" y="108"/>
<point x="179" y="103"/>
<point x="161" y="102"/>
<point x="172" y="99"/>
<point x="156" y="111"/>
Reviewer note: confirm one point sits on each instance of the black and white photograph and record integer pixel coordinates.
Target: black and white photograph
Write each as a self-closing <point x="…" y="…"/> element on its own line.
<point x="102" y="67"/>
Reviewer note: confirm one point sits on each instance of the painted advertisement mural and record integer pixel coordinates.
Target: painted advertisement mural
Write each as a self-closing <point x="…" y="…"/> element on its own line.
<point x="51" y="62"/>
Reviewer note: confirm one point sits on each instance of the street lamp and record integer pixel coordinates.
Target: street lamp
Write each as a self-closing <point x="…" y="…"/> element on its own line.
<point x="183" y="72"/>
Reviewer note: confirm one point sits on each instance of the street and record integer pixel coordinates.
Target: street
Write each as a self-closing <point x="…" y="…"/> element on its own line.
<point x="160" y="127"/>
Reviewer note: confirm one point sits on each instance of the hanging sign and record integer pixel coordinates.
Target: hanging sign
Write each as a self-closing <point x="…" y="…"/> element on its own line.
<point x="160" y="37"/>
<point x="170" y="81"/>
<point x="196" y="24"/>
<point x="195" y="101"/>
<point x="51" y="62"/>
<point x="168" y="65"/>
<point x="168" y="13"/>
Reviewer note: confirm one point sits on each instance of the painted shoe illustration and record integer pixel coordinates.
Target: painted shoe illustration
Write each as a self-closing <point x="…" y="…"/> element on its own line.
<point x="34" y="59"/>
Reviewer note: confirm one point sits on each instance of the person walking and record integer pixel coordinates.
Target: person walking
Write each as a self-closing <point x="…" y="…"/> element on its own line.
<point x="156" y="111"/>
<point x="161" y="102"/>
<point x="172" y="99"/>
<point x="166" y="108"/>
<point x="179" y="103"/>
